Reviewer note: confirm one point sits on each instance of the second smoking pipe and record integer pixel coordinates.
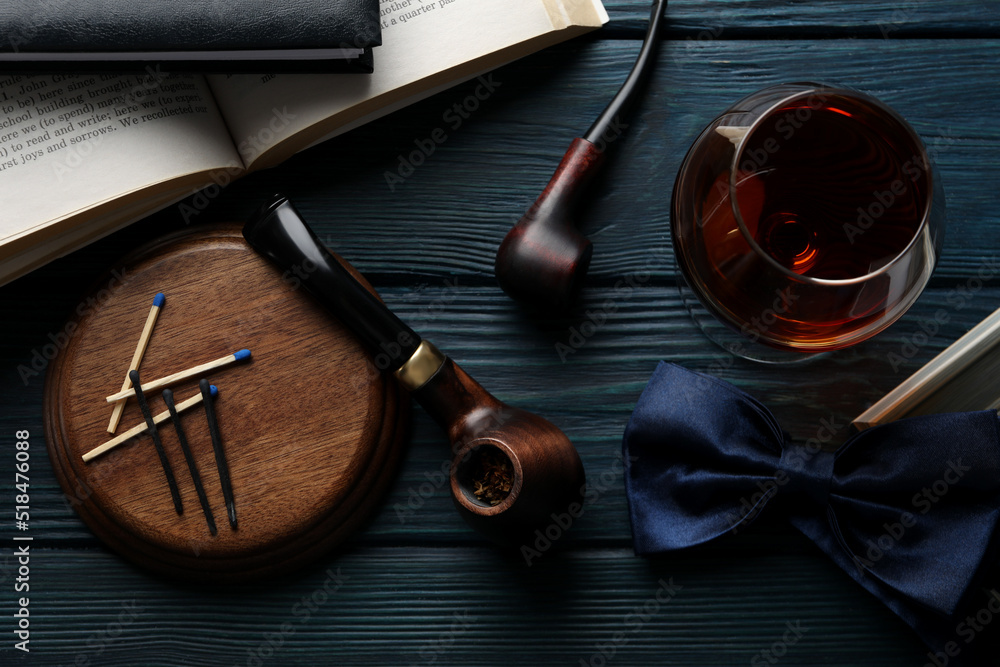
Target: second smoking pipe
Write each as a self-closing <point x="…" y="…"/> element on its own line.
<point x="544" y="258"/>
<point x="540" y="471"/>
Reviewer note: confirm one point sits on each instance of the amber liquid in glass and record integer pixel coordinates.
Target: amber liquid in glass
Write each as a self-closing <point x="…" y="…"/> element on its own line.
<point x="824" y="196"/>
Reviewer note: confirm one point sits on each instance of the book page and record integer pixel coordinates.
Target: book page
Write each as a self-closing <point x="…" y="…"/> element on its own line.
<point x="427" y="45"/>
<point x="72" y="142"/>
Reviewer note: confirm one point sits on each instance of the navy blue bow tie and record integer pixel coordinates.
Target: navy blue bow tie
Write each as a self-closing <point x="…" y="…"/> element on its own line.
<point x="909" y="509"/>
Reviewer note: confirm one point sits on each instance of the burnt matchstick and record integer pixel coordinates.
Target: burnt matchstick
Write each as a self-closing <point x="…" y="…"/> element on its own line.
<point x="140" y="350"/>
<point x="220" y="455"/>
<point x="184" y="375"/>
<point x="142" y="428"/>
<point x="153" y="431"/>
<point x="168" y="398"/>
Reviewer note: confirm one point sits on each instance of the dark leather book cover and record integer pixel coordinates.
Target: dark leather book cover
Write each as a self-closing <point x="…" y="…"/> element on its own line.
<point x="199" y="35"/>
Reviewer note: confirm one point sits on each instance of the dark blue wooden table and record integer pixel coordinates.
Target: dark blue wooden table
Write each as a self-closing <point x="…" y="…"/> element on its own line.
<point x="418" y="587"/>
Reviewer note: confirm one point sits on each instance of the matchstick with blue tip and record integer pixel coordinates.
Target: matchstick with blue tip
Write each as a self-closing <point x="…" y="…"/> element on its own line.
<point x="542" y="467"/>
<point x="220" y="454"/>
<point x="140" y="396"/>
<point x="184" y="375"/>
<point x="139" y="429"/>
<point x="168" y="399"/>
<point x="140" y="350"/>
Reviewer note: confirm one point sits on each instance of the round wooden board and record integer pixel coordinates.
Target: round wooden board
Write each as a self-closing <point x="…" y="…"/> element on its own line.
<point x="312" y="433"/>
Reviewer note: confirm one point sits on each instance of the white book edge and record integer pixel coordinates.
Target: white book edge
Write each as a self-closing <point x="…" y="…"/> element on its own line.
<point x="934" y="374"/>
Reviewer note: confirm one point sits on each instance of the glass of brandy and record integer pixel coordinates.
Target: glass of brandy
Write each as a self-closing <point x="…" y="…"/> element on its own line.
<point x="805" y="218"/>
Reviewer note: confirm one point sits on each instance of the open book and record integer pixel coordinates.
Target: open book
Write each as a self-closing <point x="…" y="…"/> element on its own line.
<point x="84" y="155"/>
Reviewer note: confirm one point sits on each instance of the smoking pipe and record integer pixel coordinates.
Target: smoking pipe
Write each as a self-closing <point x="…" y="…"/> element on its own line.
<point x="543" y="259"/>
<point x="544" y="470"/>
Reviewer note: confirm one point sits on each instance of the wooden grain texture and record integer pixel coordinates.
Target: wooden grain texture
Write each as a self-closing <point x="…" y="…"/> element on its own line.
<point x="311" y="434"/>
<point x="705" y="19"/>
<point x="459" y="203"/>
<point x="428" y="246"/>
<point x="367" y="610"/>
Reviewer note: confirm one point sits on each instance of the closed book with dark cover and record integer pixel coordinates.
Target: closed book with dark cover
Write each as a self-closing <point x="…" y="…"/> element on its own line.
<point x="202" y="35"/>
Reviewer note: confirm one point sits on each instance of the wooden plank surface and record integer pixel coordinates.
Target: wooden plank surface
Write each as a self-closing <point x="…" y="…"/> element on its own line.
<point x="489" y="610"/>
<point x="457" y="205"/>
<point x="428" y="247"/>
<point x="704" y="19"/>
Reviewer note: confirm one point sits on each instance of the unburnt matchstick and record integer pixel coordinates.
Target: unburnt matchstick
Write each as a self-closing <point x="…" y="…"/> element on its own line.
<point x="220" y="455"/>
<point x="153" y="431"/>
<point x="140" y="350"/>
<point x="168" y="398"/>
<point x="184" y="375"/>
<point x="142" y="428"/>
